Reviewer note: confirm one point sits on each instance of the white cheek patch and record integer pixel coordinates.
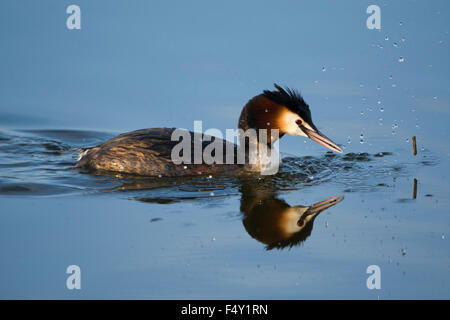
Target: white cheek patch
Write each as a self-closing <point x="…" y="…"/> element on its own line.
<point x="290" y="218"/>
<point x="290" y="126"/>
<point x="290" y="225"/>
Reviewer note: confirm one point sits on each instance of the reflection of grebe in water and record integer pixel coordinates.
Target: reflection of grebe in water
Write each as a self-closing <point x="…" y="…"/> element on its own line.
<point x="275" y="223"/>
<point x="147" y="152"/>
<point x="266" y="218"/>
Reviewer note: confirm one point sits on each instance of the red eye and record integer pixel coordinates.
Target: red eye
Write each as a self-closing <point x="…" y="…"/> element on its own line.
<point x="298" y="122"/>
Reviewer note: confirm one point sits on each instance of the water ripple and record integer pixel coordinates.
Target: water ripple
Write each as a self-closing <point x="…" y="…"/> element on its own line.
<point x="43" y="162"/>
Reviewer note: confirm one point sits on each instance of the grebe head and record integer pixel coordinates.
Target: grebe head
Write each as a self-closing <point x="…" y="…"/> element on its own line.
<point x="277" y="224"/>
<point x="285" y="110"/>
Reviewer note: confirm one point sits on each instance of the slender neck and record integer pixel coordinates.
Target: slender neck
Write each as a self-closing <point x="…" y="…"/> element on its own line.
<point x="255" y="116"/>
<point x="259" y="153"/>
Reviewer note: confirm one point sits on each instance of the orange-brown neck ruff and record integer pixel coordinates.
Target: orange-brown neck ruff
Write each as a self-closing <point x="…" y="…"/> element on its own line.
<point x="262" y="113"/>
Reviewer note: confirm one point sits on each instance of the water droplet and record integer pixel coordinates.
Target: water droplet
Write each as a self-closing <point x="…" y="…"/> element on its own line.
<point x="435" y="98"/>
<point x="390" y="77"/>
<point x="395" y="44"/>
<point x="401" y="59"/>
<point x="361" y="85"/>
<point x="379" y="101"/>
<point x="267" y="110"/>
<point x="361" y="138"/>
<point x="324" y="69"/>
<point x="401" y="23"/>
<point x="394" y="85"/>
<point x="213" y="239"/>
<point x="441" y="41"/>
<point x="386" y="38"/>
<point x="403" y="39"/>
<point x="403" y="252"/>
<point x="443" y="236"/>
<point x="349" y="140"/>
<point x="407" y="140"/>
<point x="362" y="113"/>
<point x="394" y="126"/>
<point x="212" y="194"/>
<point x="378" y="87"/>
<point x="381" y="110"/>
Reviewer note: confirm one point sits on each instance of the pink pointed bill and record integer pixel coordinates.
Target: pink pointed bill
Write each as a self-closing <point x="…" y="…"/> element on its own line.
<point x="321" y="139"/>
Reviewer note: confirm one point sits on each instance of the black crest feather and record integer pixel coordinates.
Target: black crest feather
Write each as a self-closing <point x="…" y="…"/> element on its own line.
<point x="291" y="99"/>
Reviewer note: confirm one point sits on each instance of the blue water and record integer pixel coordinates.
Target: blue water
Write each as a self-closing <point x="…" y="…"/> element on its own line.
<point x="153" y="64"/>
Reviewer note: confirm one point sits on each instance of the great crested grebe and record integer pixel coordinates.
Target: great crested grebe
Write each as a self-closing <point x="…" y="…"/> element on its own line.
<point x="148" y="152"/>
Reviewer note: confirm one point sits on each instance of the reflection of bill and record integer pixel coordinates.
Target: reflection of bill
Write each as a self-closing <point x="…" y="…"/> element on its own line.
<point x="277" y="224"/>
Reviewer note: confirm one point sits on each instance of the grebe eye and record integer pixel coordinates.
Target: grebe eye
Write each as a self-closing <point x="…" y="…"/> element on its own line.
<point x="298" y="122"/>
